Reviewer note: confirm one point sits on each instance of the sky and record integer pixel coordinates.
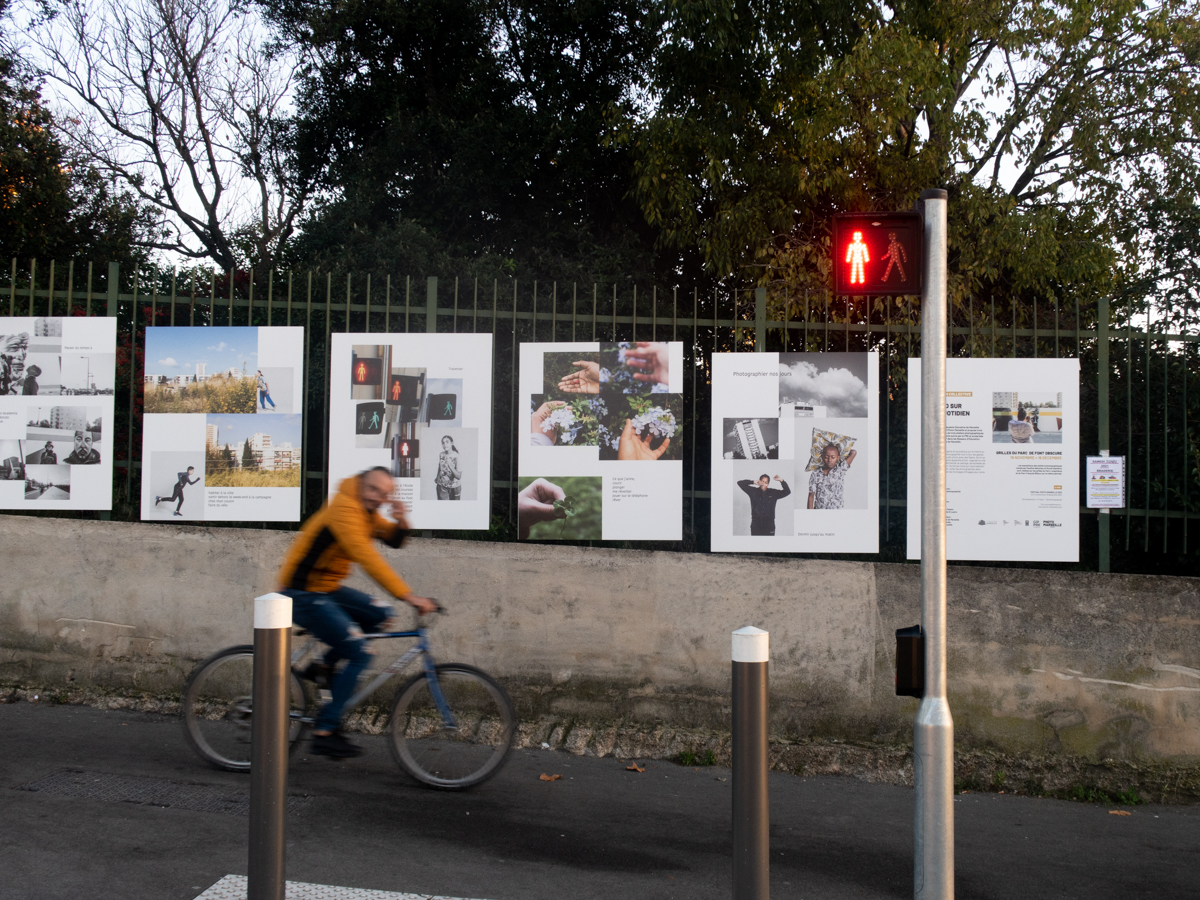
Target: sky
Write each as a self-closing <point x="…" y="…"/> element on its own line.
<point x="175" y="351"/>
<point x="234" y="429"/>
<point x="830" y="382"/>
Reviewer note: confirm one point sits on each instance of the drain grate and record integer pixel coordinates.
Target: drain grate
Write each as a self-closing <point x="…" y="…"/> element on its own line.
<point x="150" y="791"/>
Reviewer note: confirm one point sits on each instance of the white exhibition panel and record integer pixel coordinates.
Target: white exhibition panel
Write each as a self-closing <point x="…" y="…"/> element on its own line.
<point x="57" y="382"/>
<point x="450" y="481"/>
<point x="215" y="447"/>
<point x="617" y="498"/>
<point x="774" y="414"/>
<point x="1012" y="490"/>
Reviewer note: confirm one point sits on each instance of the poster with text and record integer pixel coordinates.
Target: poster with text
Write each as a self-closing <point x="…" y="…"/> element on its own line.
<point x="1012" y="459"/>
<point x="600" y="441"/>
<point x="223" y="426"/>
<point x="421" y="405"/>
<point x="57" y="377"/>
<point x="795" y="466"/>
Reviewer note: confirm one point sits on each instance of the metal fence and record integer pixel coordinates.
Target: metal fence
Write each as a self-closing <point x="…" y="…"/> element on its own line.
<point x="1139" y="387"/>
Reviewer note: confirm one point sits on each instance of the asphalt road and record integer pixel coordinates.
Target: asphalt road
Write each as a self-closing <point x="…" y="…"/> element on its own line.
<point x="599" y="832"/>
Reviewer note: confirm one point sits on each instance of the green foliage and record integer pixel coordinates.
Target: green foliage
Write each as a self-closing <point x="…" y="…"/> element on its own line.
<point x="483" y="127"/>
<point x="689" y="758"/>
<point x="581" y="510"/>
<point x="557" y="365"/>
<point x="249" y="462"/>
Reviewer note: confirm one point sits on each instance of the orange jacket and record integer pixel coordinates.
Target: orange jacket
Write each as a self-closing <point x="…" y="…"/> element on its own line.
<point x="342" y="532"/>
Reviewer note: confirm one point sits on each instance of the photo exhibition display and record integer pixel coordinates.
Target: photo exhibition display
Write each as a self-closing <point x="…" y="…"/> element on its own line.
<point x="57" y="377"/>
<point x="421" y="405"/>
<point x="223" y="424"/>
<point x="1012" y="459"/>
<point x="795" y="466"/>
<point x="600" y="441"/>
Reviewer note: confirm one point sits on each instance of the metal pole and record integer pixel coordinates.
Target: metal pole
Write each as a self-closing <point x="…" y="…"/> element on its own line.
<point x="933" y="731"/>
<point x="751" y="819"/>
<point x="269" y="746"/>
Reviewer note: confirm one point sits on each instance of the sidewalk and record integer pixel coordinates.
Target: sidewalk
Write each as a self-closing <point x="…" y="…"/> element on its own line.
<point x="126" y="811"/>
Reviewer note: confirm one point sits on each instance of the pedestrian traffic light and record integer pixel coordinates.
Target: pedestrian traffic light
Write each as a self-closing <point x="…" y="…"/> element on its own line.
<point x="443" y="406"/>
<point x="402" y="390"/>
<point x="877" y="253"/>
<point x="369" y="418"/>
<point x="366" y="370"/>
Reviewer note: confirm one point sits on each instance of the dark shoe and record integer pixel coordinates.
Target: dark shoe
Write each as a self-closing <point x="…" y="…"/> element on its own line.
<point x="157" y="500"/>
<point x="179" y="514"/>
<point x="334" y="745"/>
<point x="318" y="673"/>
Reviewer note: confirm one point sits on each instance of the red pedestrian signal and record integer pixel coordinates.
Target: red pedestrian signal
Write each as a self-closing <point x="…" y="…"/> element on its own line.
<point x="877" y="253"/>
<point x="402" y="390"/>
<point x="366" y="370"/>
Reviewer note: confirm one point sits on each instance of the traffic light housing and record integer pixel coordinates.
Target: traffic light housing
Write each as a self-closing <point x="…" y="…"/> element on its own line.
<point x="442" y="406"/>
<point x="878" y="254"/>
<point x="402" y="391"/>
<point x="366" y="370"/>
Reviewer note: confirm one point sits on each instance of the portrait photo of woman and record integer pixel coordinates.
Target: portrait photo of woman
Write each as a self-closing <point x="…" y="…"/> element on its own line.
<point x="449" y="475"/>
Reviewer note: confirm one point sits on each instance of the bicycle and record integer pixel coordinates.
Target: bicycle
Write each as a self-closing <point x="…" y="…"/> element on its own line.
<point x="451" y="724"/>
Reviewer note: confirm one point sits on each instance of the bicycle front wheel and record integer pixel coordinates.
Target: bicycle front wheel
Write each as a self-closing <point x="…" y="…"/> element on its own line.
<point x="456" y="756"/>
<point x="218" y="708"/>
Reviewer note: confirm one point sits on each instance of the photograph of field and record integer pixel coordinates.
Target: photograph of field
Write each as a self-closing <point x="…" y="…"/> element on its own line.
<point x="201" y="370"/>
<point x="249" y="451"/>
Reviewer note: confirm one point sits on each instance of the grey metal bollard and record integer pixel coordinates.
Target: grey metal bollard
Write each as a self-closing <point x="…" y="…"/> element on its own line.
<point x="269" y="746"/>
<point x="751" y="816"/>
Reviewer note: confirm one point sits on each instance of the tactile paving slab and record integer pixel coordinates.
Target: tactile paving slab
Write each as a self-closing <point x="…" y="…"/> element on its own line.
<point x="217" y="798"/>
<point x="233" y="887"/>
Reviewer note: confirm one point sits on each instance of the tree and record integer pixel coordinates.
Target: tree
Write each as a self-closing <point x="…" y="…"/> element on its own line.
<point x="52" y="204"/>
<point x="479" y="122"/>
<point x="249" y="462"/>
<point x="1037" y="117"/>
<point x="176" y="100"/>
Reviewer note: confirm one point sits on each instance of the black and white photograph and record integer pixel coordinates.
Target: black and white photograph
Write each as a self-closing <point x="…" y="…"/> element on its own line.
<point x="29" y="359"/>
<point x="177" y="484"/>
<point x="449" y="458"/>
<point x="58" y="424"/>
<point x="1027" y="417"/>
<point x="12" y="461"/>
<point x="831" y="465"/>
<point x="751" y="439"/>
<point x="90" y="375"/>
<point x="47" y="484"/>
<point x="763" y="498"/>
<point x="835" y="381"/>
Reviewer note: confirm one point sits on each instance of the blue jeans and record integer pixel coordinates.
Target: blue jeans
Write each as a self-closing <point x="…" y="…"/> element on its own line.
<point x="264" y="398"/>
<point x="339" y="619"/>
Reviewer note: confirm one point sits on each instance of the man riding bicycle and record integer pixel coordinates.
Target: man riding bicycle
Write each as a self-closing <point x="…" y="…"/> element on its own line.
<point x="342" y="532"/>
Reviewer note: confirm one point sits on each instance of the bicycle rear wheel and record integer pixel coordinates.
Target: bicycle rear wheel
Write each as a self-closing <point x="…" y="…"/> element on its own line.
<point x="218" y="708"/>
<point x="470" y="752"/>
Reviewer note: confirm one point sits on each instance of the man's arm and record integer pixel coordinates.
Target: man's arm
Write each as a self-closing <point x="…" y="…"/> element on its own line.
<point x="786" y="490"/>
<point x="353" y="531"/>
<point x="744" y="484"/>
<point x="393" y="534"/>
<point x="850" y="457"/>
<point x="193" y="481"/>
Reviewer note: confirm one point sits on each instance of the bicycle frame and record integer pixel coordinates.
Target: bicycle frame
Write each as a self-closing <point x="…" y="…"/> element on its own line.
<point x="420" y="648"/>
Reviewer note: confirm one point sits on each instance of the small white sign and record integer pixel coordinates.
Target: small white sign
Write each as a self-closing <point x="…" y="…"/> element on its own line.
<point x="1105" y="482"/>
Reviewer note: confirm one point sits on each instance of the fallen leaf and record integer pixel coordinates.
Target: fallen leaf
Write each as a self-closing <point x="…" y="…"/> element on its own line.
<point x="635" y="768"/>
<point x="1119" y="812"/>
<point x="545" y="777"/>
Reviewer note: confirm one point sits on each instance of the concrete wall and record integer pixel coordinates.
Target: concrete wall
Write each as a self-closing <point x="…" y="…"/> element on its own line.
<point x="1090" y="666"/>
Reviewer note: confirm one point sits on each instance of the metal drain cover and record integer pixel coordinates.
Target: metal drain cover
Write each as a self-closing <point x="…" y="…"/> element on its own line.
<point x="217" y="798"/>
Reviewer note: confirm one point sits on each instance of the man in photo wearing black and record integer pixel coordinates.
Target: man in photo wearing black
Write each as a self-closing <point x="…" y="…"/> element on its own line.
<point x="49" y="457"/>
<point x="762" y="503"/>
<point x="177" y="494"/>
<point x="84" y="453"/>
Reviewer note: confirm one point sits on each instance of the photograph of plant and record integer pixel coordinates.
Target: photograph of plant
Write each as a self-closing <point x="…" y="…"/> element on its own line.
<point x="576" y="516"/>
<point x="252" y="451"/>
<point x="570" y="374"/>
<point x="635" y="367"/>
<point x="656" y="425"/>
<point x="201" y="370"/>
<point x="565" y="423"/>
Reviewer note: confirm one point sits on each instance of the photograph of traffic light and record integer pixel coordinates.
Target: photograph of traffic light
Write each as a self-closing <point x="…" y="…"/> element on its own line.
<point x="394" y="399"/>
